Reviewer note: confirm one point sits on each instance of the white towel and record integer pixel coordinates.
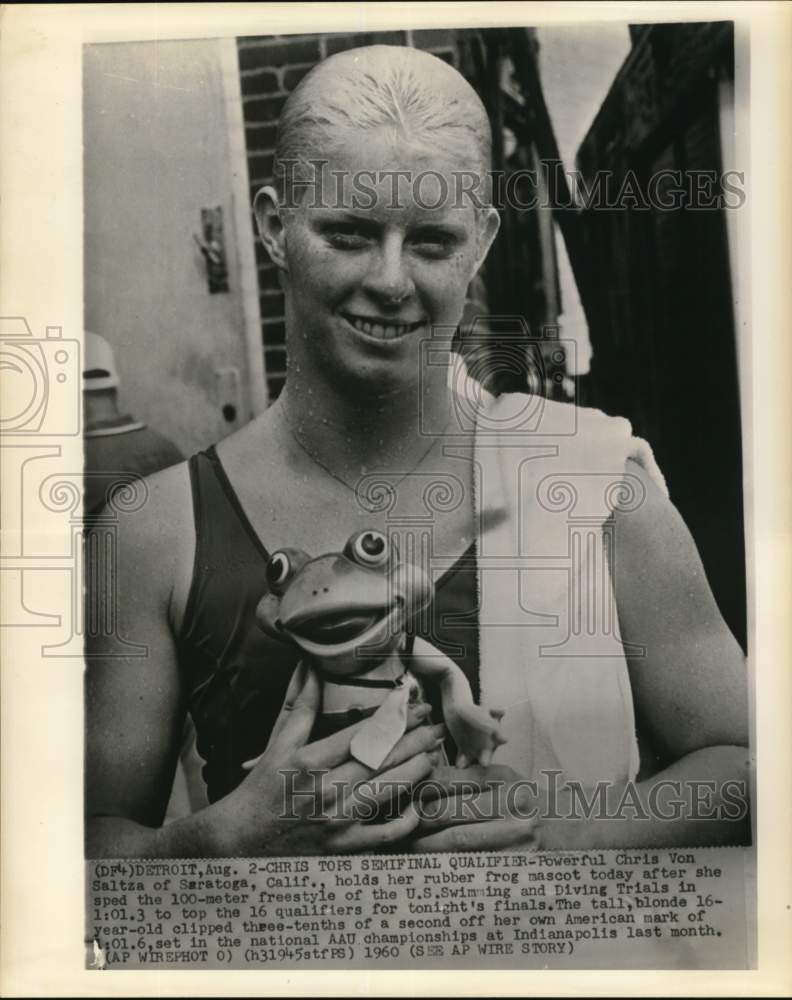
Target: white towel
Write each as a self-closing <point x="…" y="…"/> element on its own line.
<point x="550" y="650"/>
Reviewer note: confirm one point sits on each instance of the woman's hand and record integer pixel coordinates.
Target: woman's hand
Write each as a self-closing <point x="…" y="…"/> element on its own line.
<point x="310" y="798"/>
<point x="492" y="808"/>
<point x="474" y="808"/>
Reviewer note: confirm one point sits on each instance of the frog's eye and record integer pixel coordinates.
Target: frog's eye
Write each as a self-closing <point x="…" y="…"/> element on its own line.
<point x="279" y="571"/>
<point x="369" y="548"/>
<point x="282" y="568"/>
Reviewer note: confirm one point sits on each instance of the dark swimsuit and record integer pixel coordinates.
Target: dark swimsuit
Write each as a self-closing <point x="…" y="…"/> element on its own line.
<point x="235" y="676"/>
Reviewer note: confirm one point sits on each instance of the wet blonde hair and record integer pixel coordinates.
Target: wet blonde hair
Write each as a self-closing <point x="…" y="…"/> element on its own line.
<point x="420" y="96"/>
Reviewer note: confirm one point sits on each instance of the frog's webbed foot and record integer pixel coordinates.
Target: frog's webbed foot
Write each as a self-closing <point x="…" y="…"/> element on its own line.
<point x="476" y="732"/>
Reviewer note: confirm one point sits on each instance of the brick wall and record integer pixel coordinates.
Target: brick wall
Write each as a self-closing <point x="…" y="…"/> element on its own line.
<point x="270" y="68"/>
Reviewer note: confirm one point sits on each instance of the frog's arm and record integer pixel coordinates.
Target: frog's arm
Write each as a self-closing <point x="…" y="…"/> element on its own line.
<point x="476" y="731"/>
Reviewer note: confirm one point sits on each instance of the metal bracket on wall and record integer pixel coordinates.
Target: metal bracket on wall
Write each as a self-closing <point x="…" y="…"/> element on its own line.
<point x="212" y="245"/>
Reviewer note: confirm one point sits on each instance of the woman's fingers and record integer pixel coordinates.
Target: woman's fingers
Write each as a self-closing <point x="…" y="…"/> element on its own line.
<point x="360" y="837"/>
<point x="420" y="742"/>
<point x="420" y="739"/>
<point x="352" y="787"/>
<point x="475" y="807"/>
<point x="366" y="797"/>
<point x="325" y="767"/>
<point x="452" y="780"/>
<point x="334" y="750"/>
<point x="491" y="836"/>
<point x="423" y="738"/>
<point x="332" y="798"/>
<point x="296" y="719"/>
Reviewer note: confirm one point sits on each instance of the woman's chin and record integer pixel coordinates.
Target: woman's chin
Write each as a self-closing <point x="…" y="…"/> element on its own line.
<point x="377" y="377"/>
<point x="376" y="364"/>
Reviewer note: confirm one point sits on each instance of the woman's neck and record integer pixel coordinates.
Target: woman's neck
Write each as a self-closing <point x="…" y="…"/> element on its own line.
<point x="353" y="433"/>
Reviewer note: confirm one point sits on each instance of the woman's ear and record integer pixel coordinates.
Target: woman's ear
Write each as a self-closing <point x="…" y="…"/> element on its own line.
<point x="270" y="225"/>
<point x="488" y="226"/>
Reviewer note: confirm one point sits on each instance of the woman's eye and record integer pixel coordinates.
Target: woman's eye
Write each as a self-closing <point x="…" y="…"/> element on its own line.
<point x="347" y="238"/>
<point x="434" y="244"/>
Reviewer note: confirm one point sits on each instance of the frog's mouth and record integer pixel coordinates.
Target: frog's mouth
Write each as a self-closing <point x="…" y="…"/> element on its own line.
<point x="335" y="627"/>
<point x="343" y="630"/>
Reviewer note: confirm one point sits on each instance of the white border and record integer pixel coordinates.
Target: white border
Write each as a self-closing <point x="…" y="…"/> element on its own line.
<point x="41" y="258"/>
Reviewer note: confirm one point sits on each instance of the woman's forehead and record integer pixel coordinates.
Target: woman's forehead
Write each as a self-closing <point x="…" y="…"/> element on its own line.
<point x="377" y="172"/>
<point x="390" y="149"/>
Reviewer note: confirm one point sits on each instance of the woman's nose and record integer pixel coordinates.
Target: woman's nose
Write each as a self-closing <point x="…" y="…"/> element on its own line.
<point x="388" y="280"/>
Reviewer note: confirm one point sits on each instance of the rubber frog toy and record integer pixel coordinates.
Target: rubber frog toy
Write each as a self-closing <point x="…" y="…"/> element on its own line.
<point x="348" y="613"/>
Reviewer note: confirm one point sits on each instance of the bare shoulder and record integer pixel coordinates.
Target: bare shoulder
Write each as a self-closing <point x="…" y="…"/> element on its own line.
<point x="651" y="534"/>
<point x="165" y="496"/>
<point x="658" y="566"/>
<point x="155" y="539"/>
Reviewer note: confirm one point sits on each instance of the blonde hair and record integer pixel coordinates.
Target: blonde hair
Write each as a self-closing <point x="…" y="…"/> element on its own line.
<point x="417" y="94"/>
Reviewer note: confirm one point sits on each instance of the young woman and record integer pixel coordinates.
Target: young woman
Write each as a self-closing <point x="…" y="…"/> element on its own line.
<point x="379" y="225"/>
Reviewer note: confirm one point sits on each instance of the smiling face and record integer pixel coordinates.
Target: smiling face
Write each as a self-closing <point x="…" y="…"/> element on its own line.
<point x="379" y="253"/>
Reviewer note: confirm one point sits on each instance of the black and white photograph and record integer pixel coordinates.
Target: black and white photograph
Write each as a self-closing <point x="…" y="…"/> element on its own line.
<point x="409" y="575"/>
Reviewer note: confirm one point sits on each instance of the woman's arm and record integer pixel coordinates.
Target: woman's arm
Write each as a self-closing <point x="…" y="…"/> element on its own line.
<point x="134" y="710"/>
<point x="690" y="694"/>
<point x="690" y="686"/>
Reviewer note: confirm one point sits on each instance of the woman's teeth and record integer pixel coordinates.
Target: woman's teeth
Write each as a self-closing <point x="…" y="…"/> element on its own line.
<point x="380" y="330"/>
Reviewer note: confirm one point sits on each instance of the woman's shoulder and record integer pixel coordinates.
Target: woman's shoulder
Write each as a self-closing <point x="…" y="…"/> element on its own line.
<point x="150" y="538"/>
<point x="145" y="506"/>
<point x="151" y="520"/>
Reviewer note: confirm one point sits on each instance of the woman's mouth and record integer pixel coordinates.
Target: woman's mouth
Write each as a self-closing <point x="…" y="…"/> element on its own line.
<point x="379" y="328"/>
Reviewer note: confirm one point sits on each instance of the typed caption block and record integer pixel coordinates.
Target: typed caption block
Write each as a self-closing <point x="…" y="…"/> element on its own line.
<point x="627" y="909"/>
